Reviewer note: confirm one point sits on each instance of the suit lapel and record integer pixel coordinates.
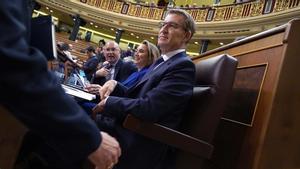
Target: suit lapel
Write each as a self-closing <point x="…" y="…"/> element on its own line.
<point x="159" y="69"/>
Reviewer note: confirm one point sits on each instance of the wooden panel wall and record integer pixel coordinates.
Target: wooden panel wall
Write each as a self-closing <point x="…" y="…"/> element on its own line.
<point x="272" y="139"/>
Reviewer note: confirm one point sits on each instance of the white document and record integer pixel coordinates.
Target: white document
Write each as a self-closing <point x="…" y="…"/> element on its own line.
<point x="78" y="93"/>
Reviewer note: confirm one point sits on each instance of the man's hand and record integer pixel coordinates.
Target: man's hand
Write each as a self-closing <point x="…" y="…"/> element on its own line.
<point x="107" y="88"/>
<point x="107" y="154"/>
<point x="104" y="91"/>
<point x="93" y="88"/>
<point x="98" y="108"/>
<point x="103" y="72"/>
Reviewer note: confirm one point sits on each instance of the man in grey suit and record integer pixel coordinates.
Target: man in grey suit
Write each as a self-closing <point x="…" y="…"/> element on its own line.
<point x="161" y="96"/>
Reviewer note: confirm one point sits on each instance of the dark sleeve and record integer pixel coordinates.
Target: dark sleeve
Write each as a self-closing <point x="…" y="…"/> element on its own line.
<point x="33" y="94"/>
<point x="120" y="90"/>
<point x="131" y="69"/>
<point x="169" y="94"/>
<point x="126" y="70"/>
<point x="91" y="65"/>
<point x="98" y="80"/>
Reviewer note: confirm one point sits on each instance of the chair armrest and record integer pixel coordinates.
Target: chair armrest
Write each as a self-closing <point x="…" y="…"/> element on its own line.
<point x="169" y="136"/>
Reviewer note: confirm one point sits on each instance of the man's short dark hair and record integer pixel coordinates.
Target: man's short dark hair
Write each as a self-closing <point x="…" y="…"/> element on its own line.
<point x="102" y="41"/>
<point x="90" y="49"/>
<point x="63" y="46"/>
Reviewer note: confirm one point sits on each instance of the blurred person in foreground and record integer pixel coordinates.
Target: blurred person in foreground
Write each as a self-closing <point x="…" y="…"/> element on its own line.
<point x="55" y="117"/>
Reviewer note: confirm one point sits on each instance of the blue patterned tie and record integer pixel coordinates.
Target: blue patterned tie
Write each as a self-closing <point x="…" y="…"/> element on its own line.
<point x="109" y="76"/>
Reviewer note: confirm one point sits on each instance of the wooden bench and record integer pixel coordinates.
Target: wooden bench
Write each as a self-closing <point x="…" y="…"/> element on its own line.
<point x="260" y="128"/>
<point x="214" y="78"/>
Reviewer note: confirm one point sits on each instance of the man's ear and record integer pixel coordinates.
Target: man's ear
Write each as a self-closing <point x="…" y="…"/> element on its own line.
<point x="188" y="36"/>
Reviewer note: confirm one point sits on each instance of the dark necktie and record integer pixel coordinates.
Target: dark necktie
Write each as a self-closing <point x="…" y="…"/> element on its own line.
<point x="152" y="67"/>
<point x="158" y="62"/>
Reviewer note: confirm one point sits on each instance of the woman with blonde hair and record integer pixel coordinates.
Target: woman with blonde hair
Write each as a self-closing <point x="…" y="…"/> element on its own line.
<point x="145" y="55"/>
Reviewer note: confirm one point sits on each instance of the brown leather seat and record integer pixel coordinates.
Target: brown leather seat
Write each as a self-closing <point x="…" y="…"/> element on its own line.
<point x="214" y="79"/>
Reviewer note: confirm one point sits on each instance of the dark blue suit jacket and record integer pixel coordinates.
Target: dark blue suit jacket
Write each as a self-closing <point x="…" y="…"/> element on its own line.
<point x="90" y="66"/>
<point x="161" y="96"/>
<point x="33" y="95"/>
<point x="122" y="71"/>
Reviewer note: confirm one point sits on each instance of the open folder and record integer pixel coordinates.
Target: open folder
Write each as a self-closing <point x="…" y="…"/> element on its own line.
<point x="78" y="93"/>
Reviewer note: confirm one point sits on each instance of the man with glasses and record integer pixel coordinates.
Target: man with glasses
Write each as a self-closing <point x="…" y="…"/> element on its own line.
<point x="161" y="96"/>
<point x="113" y="67"/>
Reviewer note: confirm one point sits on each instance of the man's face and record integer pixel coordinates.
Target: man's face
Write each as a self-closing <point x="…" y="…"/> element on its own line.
<point x="89" y="54"/>
<point x="172" y="34"/>
<point x="111" y="52"/>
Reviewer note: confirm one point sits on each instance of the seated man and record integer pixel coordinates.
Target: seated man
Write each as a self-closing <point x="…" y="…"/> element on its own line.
<point x="85" y="70"/>
<point x="90" y="66"/>
<point x="114" y="68"/>
<point x="145" y="55"/>
<point x="161" y="96"/>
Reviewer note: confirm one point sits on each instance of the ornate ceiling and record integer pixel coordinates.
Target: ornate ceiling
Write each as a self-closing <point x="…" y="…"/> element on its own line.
<point x="215" y="31"/>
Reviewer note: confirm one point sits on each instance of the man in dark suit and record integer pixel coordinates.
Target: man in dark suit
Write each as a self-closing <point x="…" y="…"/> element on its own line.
<point x="90" y="66"/>
<point x="161" y="96"/>
<point x="114" y="67"/>
<point x="34" y="96"/>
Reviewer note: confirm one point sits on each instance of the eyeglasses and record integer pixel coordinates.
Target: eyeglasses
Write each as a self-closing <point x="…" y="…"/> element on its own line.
<point x="110" y="49"/>
<point x="173" y="25"/>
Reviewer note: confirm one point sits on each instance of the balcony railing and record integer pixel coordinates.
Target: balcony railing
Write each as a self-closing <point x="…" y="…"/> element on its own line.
<point x="206" y="14"/>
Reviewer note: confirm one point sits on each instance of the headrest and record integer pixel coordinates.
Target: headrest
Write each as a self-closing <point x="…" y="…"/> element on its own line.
<point x="209" y="71"/>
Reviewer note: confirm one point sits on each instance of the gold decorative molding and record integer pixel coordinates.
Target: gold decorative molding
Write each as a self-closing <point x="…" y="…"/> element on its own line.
<point x="228" y="21"/>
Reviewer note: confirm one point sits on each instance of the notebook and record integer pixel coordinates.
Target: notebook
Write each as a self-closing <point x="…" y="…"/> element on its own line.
<point x="78" y="92"/>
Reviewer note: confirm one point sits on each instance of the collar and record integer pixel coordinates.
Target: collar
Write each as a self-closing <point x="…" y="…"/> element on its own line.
<point x="94" y="56"/>
<point x="115" y="63"/>
<point x="172" y="53"/>
<point x="144" y="68"/>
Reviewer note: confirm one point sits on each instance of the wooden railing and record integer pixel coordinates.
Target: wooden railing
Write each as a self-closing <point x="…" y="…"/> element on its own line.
<point x="203" y="14"/>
